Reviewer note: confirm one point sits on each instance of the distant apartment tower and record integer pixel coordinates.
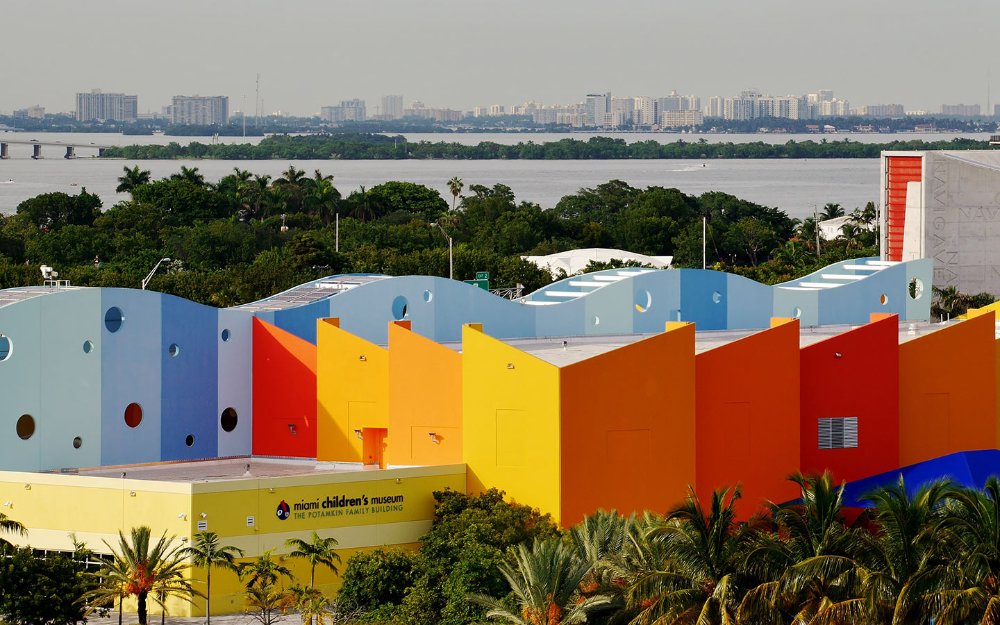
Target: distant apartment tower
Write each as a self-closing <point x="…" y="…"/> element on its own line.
<point x="496" y="110"/>
<point x="346" y="111"/>
<point x="883" y="110"/>
<point x="31" y="112"/>
<point x="116" y="107"/>
<point x="645" y="112"/>
<point x="196" y="110"/>
<point x="598" y="107"/>
<point x="676" y="102"/>
<point x="681" y="119"/>
<point x="960" y="110"/>
<point x="622" y="112"/>
<point x="392" y="107"/>
<point x="715" y="107"/>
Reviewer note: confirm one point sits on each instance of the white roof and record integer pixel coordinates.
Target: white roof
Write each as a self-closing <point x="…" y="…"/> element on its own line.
<point x="574" y="261"/>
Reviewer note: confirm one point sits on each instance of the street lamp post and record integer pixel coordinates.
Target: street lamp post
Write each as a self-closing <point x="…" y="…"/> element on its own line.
<point x="451" y="256"/>
<point x="149" y="276"/>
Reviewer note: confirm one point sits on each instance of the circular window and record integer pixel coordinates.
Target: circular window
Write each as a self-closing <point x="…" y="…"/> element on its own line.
<point x="916" y="288"/>
<point x="796" y="312"/>
<point x="88" y="346"/>
<point x="883" y="299"/>
<point x="399" y="307"/>
<point x="174" y="350"/>
<point x="113" y="319"/>
<point x="189" y="440"/>
<point x="597" y="320"/>
<point x="77" y="443"/>
<point x="643" y="301"/>
<point x="716" y="297"/>
<point x="6" y="347"/>
<point x="229" y="419"/>
<point x="133" y="415"/>
<point x="25" y="427"/>
<point x="428" y="296"/>
<point x="226" y="335"/>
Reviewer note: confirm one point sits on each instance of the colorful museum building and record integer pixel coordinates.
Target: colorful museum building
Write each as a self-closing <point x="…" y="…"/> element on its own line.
<point x="341" y="405"/>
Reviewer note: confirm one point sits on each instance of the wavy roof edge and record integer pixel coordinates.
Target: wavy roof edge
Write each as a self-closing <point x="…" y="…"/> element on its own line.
<point x="311" y="292"/>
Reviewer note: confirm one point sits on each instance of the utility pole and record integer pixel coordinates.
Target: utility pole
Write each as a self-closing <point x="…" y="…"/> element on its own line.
<point x="816" y="224"/>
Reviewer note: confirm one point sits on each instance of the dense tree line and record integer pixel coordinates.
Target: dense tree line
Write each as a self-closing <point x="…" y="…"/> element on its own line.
<point x="249" y="236"/>
<point x="382" y="147"/>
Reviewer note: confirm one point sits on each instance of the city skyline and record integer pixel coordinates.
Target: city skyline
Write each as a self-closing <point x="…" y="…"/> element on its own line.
<point x="462" y="55"/>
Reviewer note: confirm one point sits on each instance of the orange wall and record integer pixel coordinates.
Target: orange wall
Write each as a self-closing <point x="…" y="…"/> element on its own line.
<point x="854" y="374"/>
<point x="947" y="391"/>
<point x="284" y="393"/>
<point x="748" y="416"/>
<point x="352" y="392"/>
<point x="628" y="427"/>
<point x="425" y="395"/>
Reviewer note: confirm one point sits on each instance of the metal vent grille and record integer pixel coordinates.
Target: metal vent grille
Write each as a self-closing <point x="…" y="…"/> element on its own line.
<point x="838" y="432"/>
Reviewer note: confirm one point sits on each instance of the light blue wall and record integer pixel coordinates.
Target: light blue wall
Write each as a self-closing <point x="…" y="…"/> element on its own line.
<point x="20" y="386"/>
<point x="235" y="379"/>
<point x="749" y="304"/>
<point x="704" y="298"/>
<point x="71" y="385"/>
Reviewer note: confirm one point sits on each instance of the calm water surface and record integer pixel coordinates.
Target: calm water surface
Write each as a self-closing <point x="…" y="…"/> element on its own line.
<point x="791" y="185"/>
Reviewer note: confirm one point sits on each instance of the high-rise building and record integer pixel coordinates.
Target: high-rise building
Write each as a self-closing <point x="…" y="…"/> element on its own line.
<point x="392" y="106"/>
<point x="883" y="110"/>
<point x="347" y="111"/>
<point x="31" y="112"/>
<point x="681" y="119"/>
<point x="715" y="107"/>
<point x="598" y="107"/>
<point x="622" y="110"/>
<point x="116" y="107"/>
<point x="198" y="110"/>
<point x="646" y="111"/>
<point x="497" y="110"/>
<point x="960" y="110"/>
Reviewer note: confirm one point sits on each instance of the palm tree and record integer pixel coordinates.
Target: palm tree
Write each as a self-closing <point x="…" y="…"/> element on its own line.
<point x="190" y="174"/>
<point x="171" y="582"/>
<point x="455" y="185"/>
<point x="266" y="603"/>
<point x="545" y="579"/>
<point x="323" y="197"/>
<point x="831" y="211"/>
<point x="131" y="179"/>
<point x="964" y="586"/>
<point x="313" y="605"/>
<point x="262" y="571"/>
<point x="10" y="526"/>
<point x="113" y="577"/>
<point x="291" y="183"/>
<point x="698" y="574"/>
<point x="141" y="569"/>
<point x="206" y="552"/>
<point x="316" y="551"/>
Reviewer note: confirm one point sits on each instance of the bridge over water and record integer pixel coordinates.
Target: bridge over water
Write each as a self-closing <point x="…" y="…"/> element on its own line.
<point x="36" y="147"/>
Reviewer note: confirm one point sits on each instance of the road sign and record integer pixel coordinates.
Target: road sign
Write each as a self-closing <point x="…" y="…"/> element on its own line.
<point x="483" y="284"/>
<point x="482" y="275"/>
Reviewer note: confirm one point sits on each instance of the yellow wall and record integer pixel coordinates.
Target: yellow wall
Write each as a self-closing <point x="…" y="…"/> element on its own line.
<point x="511" y="433"/>
<point x="425" y="395"/>
<point x="351" y="393"/>
<point x="96" y="507"/>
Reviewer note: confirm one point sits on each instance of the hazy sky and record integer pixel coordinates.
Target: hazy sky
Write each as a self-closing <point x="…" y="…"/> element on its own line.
<point x="466" y="53"/>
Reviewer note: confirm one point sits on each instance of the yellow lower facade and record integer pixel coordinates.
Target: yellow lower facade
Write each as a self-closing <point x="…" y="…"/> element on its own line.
<point x="361" y="509"/>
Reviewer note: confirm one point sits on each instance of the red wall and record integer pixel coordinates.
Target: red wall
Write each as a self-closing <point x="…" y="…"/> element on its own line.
<point x="899" y="171"/>
<point x="748" y="416"/>
<point x="862" y="382"/>
<point x="284" y="393"/>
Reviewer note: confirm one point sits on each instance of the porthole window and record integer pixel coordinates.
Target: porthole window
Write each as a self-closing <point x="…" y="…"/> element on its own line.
<point x="174" y="350"/>
<point x="77" y="443"/>
<point x="113" y="319"/>
<point x="428" y="296"/>
<point x="399" y="306"/>
<point x="226" y="335"/>
<point x="229" y="419"/>
<point x="643" y="301"/>
<point x="88" y="346"/>
<point x="189" y="440"/>
<point x="6" y="347"/>
<point x="25" y="427"/>
<point x="133" y="415"/>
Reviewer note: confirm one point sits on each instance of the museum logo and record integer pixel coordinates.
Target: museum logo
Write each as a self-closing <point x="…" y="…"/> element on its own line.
<point x="283" y="510"/>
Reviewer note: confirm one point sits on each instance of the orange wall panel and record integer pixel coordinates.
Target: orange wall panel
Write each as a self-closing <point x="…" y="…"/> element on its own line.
<point x="947" y="391"/>
<point x="628" y="427"/>
<point x="284" y="393"/>
<point x="747" y="432"/>
<point x="854" y="374"/>
<point x="425" y="395"/>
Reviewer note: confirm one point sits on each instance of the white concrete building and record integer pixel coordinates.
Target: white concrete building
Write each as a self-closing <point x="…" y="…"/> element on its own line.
<point x="944" y="205"/>
<point x="198" y="110"/>
<point x="97" y="105"/>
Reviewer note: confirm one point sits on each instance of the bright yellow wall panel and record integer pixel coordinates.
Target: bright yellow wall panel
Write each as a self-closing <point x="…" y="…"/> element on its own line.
<point x="352" y="391"/>
<point x="511" y="430"/>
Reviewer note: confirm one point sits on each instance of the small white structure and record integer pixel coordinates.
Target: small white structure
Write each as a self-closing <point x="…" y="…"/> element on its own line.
<point x="574" y="261"/>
